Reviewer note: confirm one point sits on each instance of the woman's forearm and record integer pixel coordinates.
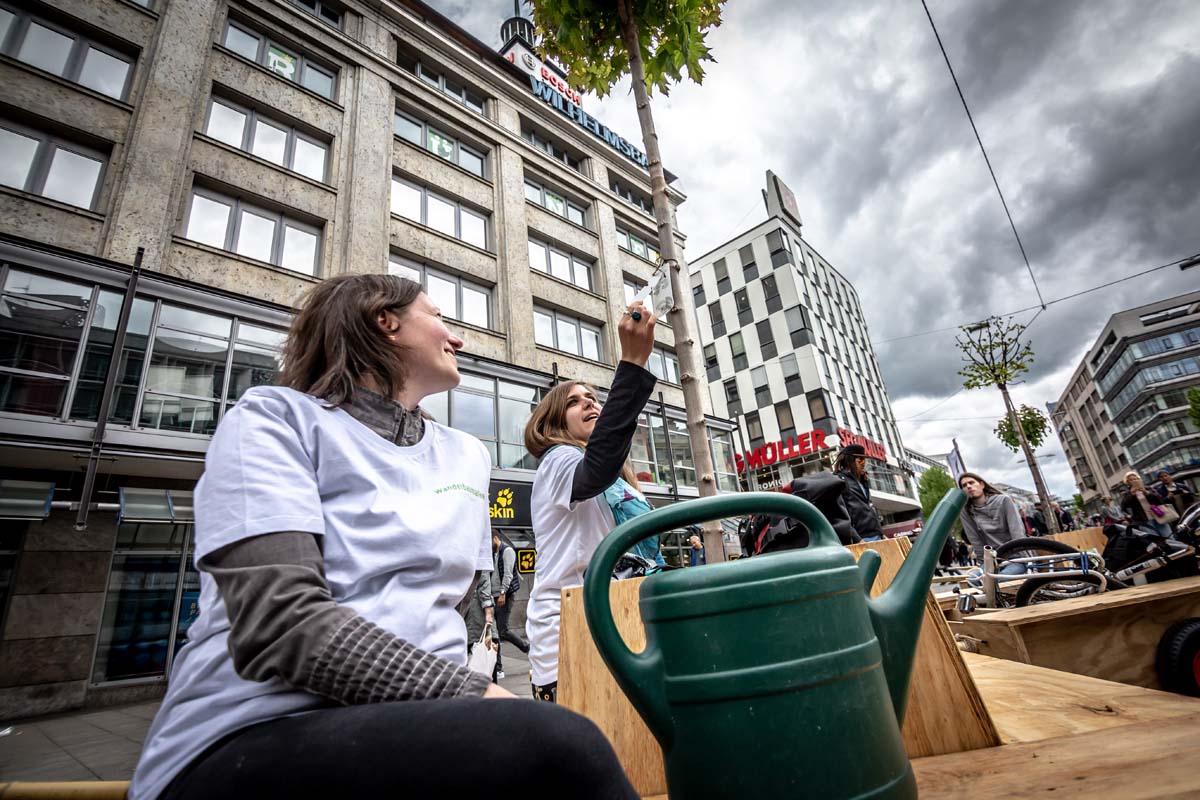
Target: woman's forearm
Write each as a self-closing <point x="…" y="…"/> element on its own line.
<point x="608" y="447"/>
<point x="284" y="623"/>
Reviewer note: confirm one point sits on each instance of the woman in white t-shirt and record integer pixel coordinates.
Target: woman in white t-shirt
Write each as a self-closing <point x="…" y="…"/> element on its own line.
<point x="337" y="529"/>
<point x="584" y="485"/>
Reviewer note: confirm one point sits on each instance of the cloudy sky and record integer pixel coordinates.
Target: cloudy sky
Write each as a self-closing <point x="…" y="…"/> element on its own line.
<point x="1090" y="110"/>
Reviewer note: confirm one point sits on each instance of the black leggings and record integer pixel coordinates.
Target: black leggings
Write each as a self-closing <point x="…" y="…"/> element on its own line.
<point x="469" y="747"/>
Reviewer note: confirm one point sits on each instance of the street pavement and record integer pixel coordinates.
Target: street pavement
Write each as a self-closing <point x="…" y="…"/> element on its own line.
<point x="104" y="744"/>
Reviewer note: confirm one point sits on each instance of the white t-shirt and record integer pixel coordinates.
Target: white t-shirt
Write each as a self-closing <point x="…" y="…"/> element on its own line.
<point x="567" y="534"/>
<point x="404" y="530"/>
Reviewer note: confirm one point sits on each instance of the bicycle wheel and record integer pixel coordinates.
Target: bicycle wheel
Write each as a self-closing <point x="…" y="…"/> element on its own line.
<point x="1047" y="590"/>
<point x="1032" y="546"/>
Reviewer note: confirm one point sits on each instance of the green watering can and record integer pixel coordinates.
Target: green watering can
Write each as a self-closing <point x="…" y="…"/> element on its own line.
<point x="775" y="676"/>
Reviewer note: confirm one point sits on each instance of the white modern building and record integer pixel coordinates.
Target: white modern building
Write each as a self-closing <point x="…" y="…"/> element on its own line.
<point x="788" y="357"/>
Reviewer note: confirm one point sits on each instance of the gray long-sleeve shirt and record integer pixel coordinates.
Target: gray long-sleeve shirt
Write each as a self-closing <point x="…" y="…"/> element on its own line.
<point x="992" y="522"/>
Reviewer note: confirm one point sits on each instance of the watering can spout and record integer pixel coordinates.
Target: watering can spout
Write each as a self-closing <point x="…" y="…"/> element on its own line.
<point x="897" y="614"/>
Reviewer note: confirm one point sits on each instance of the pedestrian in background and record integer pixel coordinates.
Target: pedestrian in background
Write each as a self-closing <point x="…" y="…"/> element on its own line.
<point x="1110" y="512"/>
<point x="1175" y="493"/>
<point x="584" y="486"/>
<point x="1065" y="521"/>
<point x="990" y="517"/>
<point x="1140" y="504"/>
<point x="1037" y="520"/>
<point x="336" y="531"/>
<point x="506" y="582"/>
<point x="851" y="467"/>
<point x="696" y="555"/>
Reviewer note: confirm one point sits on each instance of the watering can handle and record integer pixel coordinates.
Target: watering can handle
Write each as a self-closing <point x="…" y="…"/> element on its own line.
<point x="640" y="675"/>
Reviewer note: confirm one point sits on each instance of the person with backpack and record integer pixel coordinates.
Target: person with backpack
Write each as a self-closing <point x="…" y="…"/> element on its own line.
<point x="584" y="486"/>
<point x="506" y="582"/>
<point x="329" y="657"/>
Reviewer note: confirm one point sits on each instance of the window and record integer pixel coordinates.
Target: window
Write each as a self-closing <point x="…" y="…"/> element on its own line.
<point x="771" y="293"/>
<point x="419" y="204"/>
<point x="711" y="366"/>
<point x="554" y="202"/>
<point x="494" y="411"/>
<point x="277" y="142"/>
<point x="698" y="289"/>
<point x="762" y="388"/>
<point x="798" y="327"/>
<point x="571" y="335"/>
<point x="766" y="339"/>
<point x="565" y="266"/>
<point x="253" y="231"/>
<point x="552" y="148"/>
<point x="425" y="136"/>
<point x="664" y="364"/>
<point x="791" y="375"/>
<point x="718" y="321"/>
<point x="749" y="268"/>
<point x="640" y="246"/>
<point x="457" y="298"/>
<point x="783" y="415"/>
<point x="152" y="598"/>
<point x="741" y="299"/>
<point x="283" y="60"/>
<point x="738" y="349"/>
<point x="819" y="407"/>
<point x="436" y="79"/>
<point x="632" y="196"/>
<point x="721" y="271"/>
<point x="325" y="11"/>
<point x="632" y="287"/>
<point x="42" y="164"/>
<point x="732" y="398"/>
<point x="64" y="53"/>
<point x="754" y="429"/>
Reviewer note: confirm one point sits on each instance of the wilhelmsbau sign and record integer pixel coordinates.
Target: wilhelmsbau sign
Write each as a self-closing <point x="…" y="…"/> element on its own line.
<point x="586" y="121"/>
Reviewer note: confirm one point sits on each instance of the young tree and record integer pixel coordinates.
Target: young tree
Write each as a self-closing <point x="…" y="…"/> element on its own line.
<point x="1034" y="423"/>
<point x="996" y="356"/>
<point x="931" y="489"/>
<point x="1080" y="506"/>
<point x="1193" y="397"/>
<point x="654" y="41"/>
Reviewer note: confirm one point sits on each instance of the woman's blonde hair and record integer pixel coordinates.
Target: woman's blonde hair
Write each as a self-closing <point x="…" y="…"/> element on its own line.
<point x="1131" y="474"/>
<point x="547" y="426"/>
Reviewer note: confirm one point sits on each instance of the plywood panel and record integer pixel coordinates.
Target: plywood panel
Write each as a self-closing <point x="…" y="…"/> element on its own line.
<point x="1084" y="539"/>
<point x="1029" y="703"/>
<point x="585" y="685"/>
<point x="1133" y="762"/>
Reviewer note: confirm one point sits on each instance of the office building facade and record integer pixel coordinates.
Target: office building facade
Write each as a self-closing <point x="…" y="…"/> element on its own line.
<point x="788" y="357"/>
<point x="1126" y="405"/>
<point x="250" y="148"/>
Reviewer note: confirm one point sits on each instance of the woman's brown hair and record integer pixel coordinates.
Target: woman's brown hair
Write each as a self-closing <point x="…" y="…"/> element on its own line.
<point x="336" y="343"/>
<point x="547" y="426"/>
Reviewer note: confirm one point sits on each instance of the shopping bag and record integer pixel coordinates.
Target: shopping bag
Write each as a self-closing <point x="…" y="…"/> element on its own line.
<point x="483" y="654"/>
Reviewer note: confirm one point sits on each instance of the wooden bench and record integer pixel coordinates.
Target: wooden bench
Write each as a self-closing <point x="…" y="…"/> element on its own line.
<point x="1113" y="636"/>
<point x="945" y="712"/>
<point x="72" y="790"/>
<point x="1083" y="539"/>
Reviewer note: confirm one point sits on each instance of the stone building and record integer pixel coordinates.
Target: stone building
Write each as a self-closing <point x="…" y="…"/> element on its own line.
<point x="788" y="357"/>
<point x="250" y="148"/>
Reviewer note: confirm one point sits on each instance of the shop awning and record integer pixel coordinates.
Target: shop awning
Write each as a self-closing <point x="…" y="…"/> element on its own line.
<point x="155" y="506"/>
<point x="25" y="499"/>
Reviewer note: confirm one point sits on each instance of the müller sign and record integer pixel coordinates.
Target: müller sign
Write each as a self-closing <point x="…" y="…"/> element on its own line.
<point x="586" y="121"/>
<point x="802" y="445"/>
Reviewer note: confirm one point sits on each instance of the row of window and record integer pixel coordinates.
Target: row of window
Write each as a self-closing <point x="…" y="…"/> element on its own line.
<point x="1176" y="398"/>
<point x="65" y="53"/>
<point x="232" y="224"/>
<point x="426" y="136"/>
<point x="423" y="205"/>
<point x="457" y="298"/>
<point x="639" y="246"/>
<point x="1159" y="435"/>
<point x="1150" y="375"/>
<point x="42" y="164"/>
<point x="281" y="59"/>
<point x="277" y="142"/>
<point x="554" y="202"/>
<point x="1146" y="349"/>
<point x="565" y="266"/>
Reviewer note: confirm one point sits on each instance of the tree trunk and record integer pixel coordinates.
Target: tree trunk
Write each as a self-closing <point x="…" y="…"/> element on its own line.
<point x="682" y="315"/>
<point x="1039" y="485"/>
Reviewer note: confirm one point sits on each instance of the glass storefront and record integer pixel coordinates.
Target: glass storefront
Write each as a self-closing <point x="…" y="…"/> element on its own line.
<point x="153" y="596"/>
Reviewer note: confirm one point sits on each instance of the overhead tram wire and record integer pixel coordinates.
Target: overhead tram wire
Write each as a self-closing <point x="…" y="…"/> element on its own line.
<point x="1047" y="304"/>
<point x="983" y="150"/>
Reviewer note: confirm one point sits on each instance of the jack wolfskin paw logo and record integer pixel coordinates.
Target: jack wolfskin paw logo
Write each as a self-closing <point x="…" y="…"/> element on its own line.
<point x="504" y="498"/>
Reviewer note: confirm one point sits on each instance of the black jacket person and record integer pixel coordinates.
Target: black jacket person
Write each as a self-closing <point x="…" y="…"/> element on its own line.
<point x="851" y="467"/>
